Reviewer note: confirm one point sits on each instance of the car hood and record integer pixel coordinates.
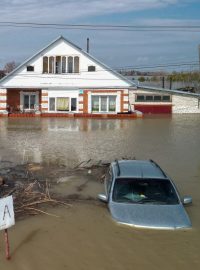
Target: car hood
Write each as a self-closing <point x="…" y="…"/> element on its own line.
<point x="150" y="215"/>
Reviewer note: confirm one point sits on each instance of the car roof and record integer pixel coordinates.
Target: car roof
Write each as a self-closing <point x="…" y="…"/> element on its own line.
<point x="138" y="169"/>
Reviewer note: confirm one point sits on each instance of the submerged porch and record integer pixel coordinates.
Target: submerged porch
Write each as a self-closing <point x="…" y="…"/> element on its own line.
<point x="23" y="102"/>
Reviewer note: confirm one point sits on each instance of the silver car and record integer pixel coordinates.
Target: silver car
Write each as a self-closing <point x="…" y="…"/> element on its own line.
<point x="140" y="194"/>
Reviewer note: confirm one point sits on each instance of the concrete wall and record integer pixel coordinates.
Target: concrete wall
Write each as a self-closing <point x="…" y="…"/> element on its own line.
<point x="182" y="104"/>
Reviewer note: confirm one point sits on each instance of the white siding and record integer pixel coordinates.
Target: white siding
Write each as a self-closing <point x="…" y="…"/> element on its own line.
<point x="100" y="78"/>
<point x="117" y="94"/>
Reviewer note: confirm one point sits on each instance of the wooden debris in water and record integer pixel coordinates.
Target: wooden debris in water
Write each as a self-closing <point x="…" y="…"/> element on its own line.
<point x="29" y="198"/>
<point x="31" y="195"/>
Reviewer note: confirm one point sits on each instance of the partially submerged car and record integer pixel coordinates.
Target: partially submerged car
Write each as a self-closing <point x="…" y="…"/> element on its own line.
<point x="140" y="194"/>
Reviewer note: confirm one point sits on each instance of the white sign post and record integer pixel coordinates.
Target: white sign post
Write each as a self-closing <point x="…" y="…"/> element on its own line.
<point x="7" y="219"/>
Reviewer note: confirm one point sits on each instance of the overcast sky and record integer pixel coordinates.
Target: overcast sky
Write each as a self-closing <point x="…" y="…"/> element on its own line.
<point x="114" y="48"/>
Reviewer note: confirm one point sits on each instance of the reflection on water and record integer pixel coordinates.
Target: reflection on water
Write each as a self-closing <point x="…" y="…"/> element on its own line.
<point x="83" y="125"/>
<point x="53" y="140"/>
<point x="68" y="141"/>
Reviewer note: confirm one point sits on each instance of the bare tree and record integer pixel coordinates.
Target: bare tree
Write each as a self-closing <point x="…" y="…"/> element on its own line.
<point x="2" y="74"/>
<point x="10" y="66"/>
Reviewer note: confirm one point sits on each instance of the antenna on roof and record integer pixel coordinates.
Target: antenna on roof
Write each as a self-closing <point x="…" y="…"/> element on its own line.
<point x="88" y="45"/>
<point x="118" y="167"/>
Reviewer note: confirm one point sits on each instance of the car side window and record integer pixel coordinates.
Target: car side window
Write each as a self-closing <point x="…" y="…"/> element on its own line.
<point x="108" y="180"/>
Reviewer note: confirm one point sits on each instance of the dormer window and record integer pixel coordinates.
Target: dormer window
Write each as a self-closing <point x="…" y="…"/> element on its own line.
<point x="30" y="68"/>
<point x="61" y="64"/>
<point x="91" y="68"/>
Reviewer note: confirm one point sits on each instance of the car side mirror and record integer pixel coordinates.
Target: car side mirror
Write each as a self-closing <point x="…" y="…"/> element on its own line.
<point x="187" y="200"/>
<point x="103" y="198"/>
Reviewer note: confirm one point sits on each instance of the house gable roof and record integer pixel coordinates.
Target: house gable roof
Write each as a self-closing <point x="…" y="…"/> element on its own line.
<point x="119" y="76"/>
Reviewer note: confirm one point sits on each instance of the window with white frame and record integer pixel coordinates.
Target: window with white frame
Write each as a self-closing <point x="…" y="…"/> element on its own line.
<point x="62" y="104"/>
<point x="103" y="103"/>
<point x="58" y="65"/>
<point x="45" y="64"/>
<point x="70" y="64"/>
<point x="76" y="64"/>
<point x="51" y="64"/>
<point x="61" y="64"/>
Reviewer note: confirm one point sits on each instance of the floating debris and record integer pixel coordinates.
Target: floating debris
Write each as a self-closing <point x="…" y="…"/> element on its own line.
<point x="29" y="185"/>
<point x="28" y="198"/>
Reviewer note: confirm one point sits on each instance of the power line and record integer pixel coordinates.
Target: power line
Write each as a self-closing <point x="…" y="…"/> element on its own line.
<point x="194" y="63"/>
<point x="103" y="27"/>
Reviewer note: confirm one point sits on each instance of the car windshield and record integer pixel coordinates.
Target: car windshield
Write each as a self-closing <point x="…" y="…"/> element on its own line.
<point x="151" y="191"/>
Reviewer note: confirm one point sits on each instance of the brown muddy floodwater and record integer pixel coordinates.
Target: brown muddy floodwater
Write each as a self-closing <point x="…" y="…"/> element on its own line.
<point x="84" y="235"/>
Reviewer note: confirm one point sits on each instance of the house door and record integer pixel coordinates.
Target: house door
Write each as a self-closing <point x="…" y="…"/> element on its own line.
<point x="29" y="101"/>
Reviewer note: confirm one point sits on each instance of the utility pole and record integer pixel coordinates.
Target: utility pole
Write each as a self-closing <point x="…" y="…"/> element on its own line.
<point x="88" y="45"/>
<point x="199" y="57"/>
<point x="163" y="82"/>
<point x="170" y="82"/>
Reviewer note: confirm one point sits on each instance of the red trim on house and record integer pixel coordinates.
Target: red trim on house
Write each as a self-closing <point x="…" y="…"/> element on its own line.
<point x="154" y="109"/>
<point x="13" y="97"/>
<point x="17" y="115"/>
<point x="85" y="101"/>
<point x="121" y="102"/>
<point x="122" y="95"/>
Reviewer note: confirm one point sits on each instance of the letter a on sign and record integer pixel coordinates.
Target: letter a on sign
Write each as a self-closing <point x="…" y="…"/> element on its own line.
<point x="6" y="211"/>
<point x="7" y="217"/>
